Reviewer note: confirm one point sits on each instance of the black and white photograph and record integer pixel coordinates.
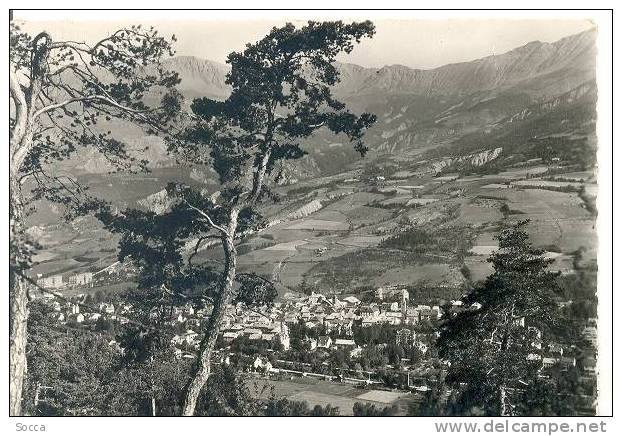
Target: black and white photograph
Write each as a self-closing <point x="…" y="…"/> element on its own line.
<point x="317" y="213"/>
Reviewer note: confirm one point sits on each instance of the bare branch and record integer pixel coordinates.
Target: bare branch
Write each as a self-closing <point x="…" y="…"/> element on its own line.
<point x="197" y="246"/>
<point x="209" y="220"/>
<point x="180" y="294"/>
<point x="101" y="98"/>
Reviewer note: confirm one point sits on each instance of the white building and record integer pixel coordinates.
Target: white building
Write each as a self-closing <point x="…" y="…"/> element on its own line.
<point x="82" y="279"/>
<point x="107" y="308"/>
<point x="52" y="282"/>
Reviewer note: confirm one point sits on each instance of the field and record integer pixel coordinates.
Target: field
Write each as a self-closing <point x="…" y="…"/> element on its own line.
<point x="378" y="266"/>
<point x="421" y="201"/>
<point x="428" y="273"/>
<point x="335" y="239"/>
<point x="360" y="216"/>
<point x="477" y="214"/>
<point x="286" y="246"/>
<point x="361" y="241"/>
<point x="322" y="392"/>
<point x="556" y="218"/>
<point x="478" y="267"/>
<point x="484" y="250"/>
<point x="314" y="224"/>
<point x="84" y="246"/>
<point x="547" y="184"/>
<point x="520" y="173"/>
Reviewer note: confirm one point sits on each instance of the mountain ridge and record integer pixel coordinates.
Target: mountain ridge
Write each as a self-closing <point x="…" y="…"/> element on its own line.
<point x="417" y="109"/>
<point x="527" y="62"/>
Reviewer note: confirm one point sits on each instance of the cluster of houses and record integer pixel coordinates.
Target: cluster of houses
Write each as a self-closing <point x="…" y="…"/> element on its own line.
<point x="74" y="312"/>
<point x="590" y="334"/>
<point x="339" y="315"/>
<point x="555" y="356"/>
<point x="409" y="338"/>
<point x="334" y="316"/>
<point x="238" y="322"/>
<point x="558" y="355"/>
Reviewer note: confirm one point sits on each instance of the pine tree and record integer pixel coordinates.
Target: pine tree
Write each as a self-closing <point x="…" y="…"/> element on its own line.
<point x="488" y="344"/>
<point x="281" y="94"/>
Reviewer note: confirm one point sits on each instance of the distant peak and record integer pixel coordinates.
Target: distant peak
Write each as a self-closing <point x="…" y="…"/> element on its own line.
<point x="196" y="62"/>
<point x="532" y="43"/>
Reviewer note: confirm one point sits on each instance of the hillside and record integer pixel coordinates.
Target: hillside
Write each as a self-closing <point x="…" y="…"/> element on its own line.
<point x="200" y="77"/>
<point x="445" y="108"/>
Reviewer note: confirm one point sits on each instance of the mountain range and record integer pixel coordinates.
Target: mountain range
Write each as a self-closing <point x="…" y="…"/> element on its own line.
<point x="454" y="109"/>
<point x="534" y="68"/>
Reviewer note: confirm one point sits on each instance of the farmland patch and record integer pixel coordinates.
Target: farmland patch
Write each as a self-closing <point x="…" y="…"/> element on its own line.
<point x="313" y="224"/>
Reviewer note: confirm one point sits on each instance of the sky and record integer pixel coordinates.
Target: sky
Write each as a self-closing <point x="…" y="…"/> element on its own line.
<point x="413" y="42"/>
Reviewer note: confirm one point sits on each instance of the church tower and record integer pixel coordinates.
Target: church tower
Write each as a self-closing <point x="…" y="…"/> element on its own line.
<point x="405" y="298"/>
<point x="284" y="336"/>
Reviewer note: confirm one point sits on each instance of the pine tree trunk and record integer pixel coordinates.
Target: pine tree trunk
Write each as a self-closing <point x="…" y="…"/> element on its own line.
<point x="17" y="346"/>
<point x="508" y="319"/>
<point x="201" y="371"/>
<point x="259" y="176"/>
<point x="18" y="311"/>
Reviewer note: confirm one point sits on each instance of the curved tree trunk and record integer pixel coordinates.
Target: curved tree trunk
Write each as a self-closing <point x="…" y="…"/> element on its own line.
<point x="201" y="370"/>
<point x="18" y="312"/>
<point x="258" y="177"/>
<point x="20" y="145"/>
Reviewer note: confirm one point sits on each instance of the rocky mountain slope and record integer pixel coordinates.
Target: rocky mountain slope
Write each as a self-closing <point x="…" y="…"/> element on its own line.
<point x="425" y="109"/>
<point x="535" y="101"/>
<point x="200" y="77"/>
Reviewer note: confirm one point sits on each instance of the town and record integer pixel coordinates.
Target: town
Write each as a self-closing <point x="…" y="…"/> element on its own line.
<point x="386" y="342"/>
